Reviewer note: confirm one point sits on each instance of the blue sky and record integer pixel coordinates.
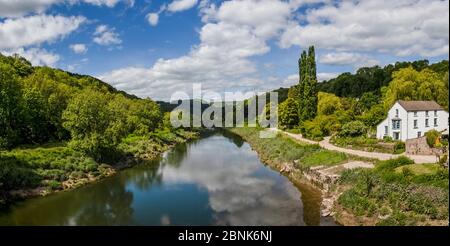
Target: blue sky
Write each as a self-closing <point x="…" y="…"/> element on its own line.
<point x="152" y="48"/>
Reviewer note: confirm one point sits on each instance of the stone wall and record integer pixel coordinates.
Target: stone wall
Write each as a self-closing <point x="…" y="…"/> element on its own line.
<point x="418" y="146"/>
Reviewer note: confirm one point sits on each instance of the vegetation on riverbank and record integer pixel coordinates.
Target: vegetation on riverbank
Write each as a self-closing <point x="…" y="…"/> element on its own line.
<point x="396" y="192"/>
<point x="369" y="144"/>
<point x="282" y="149"/>
<point x="48" y="168"/>
<point x="59" y="130"/>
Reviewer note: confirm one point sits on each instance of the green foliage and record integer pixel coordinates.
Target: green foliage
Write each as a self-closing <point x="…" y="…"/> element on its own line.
<point x="320" y="126"/>
<point x="431" y="137"/>
<point x="392" y="189"/>
<point x="369" y="144"/>
<point x="410" y="84"/>
<point x="307" y="87"/>
<point x="372" y="79"/>
<point x="328" y="104"/>
<point x="283" y="149"/>
<point x="373" y="116"/>
<point x="9" y="110"/>
<point x="353" y="129"/>
<point x="288" y="114"/>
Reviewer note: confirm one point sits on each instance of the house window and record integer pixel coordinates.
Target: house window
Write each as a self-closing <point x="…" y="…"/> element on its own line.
<point x="415" y="113"/>
<point x="435" y="113"/>
<point x="419" y="134"/>
<point x="396" y="124"/>
<point x="435" y="122"/>
<point x="426" y="113"/>
<point x="385" y="130"/>
<point x="396" y="113"/>
<point x="426" y="123"/>
<point x="415" y="124"/>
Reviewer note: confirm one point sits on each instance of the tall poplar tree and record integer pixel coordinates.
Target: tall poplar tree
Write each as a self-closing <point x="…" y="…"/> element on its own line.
<point x="307" y="99"/>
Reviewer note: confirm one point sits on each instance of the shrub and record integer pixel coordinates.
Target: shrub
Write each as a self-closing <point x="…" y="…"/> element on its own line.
<point x="432" y="136"/>
<point x="353" y="129"/>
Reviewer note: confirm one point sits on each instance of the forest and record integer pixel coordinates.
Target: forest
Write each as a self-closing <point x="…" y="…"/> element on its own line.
<point x="57" y="128"/>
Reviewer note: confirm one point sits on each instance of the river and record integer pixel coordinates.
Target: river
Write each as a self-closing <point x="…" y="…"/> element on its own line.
<point x="217" y="180"/>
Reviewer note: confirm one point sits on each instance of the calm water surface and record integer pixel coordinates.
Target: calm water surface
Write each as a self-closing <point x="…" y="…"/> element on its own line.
<point x="216" y="180"/>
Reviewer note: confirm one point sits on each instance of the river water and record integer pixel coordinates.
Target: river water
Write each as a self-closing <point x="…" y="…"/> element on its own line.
<point x="217" y="180"/>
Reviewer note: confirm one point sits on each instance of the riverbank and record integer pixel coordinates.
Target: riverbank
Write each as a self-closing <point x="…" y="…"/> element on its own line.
<point x="294" y="159"/>
<point x="42" y="170"/>
<point x="395" y="192"/>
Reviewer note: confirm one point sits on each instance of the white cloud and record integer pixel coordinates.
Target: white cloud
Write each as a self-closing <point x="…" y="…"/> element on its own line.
<point x="326" y="76"/>
<point x="78" y="48"/>
<point x="235" y="32"/>
<point x="14" y="8"/>
<point x="405" y="27"/>
<point x="35" y="30"/>
<point x="109" y="3"/>
<point x="18" y="8"/>
<point x="347" y="58"/>
<point x="37" y="57"/>
<point x="181" y="5"/>
<point x="291" y="80"/>
<point x="106" y="36"/>
<point x="153" y="18"/>
<point x="222" y="59"/>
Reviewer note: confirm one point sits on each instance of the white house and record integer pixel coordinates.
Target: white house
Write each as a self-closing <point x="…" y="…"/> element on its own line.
<point x="411" y="119"/>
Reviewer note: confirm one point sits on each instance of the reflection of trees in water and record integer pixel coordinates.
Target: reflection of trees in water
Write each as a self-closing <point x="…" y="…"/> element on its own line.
<point x="110" y="204"/>
<point x="176" y="156"/>
<point x="237" y="140"/>
<point x="145" y="175"/>
<point x="103" y="203"/>
<point x="311" y="200"/>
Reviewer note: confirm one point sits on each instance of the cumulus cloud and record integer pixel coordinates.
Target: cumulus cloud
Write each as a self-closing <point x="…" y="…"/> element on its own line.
<point x="105" y="35"/>
<point x="326" y="76"/>
<point x="220" y="61"/>
<point x="153" y="18"/>
<point x="18" y="8"/>
<point x="236" y="32"/>
<point x="11" y="8"/>
<point x="347" y="58"/>
<point x="109" y="3"/>
<point x="78" y="48"/>
<point x="35" y="30"/>
<point x="402" y="27"/>
<point x="37" y="57"/>
<point x="181" y="5"/>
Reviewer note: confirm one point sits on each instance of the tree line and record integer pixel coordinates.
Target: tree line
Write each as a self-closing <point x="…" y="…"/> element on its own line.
<point x="41" y="104"/>
<point x="357" y="102"/>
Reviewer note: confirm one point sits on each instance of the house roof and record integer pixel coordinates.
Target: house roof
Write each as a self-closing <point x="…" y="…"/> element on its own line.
<point x="419" y="105"/>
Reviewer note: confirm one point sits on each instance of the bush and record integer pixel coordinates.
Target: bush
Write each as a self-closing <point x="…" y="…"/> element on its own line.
<point x="353" y="129"/>
<point x="432" y="136"/>
<point x="399" y="147"/>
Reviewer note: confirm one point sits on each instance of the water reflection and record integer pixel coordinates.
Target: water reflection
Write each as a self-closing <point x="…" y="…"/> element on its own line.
<point x="214" y="181"/>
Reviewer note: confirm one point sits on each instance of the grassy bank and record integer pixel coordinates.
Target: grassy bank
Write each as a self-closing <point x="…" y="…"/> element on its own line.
<point x="40" y="170"/>
<point x="282" y="149"/>
<point x="396" y="192"/>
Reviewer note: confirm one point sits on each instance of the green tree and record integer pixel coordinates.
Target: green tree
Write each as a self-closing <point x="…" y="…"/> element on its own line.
<point x="328" y="103"/>
<point x="88" y="120"/>
<point x="409" y="84"/>
<point x="10" y="96"/>
<point x="287" y="114"/>
<point x="353" y="129"/>
<point x="307" y="85"/>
